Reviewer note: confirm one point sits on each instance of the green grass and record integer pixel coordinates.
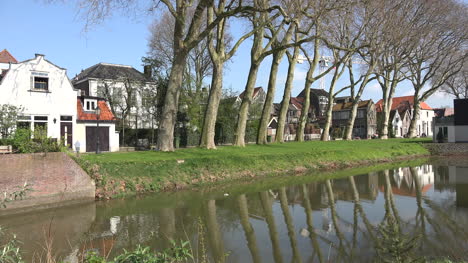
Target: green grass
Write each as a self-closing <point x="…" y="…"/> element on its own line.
<point x="132" y="172"/>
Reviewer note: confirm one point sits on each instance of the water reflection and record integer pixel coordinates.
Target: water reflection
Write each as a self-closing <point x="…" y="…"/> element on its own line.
<point x="336" y="220"/>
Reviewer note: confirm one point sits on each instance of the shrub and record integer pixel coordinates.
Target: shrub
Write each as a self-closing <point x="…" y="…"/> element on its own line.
<point x="23" y="143"/>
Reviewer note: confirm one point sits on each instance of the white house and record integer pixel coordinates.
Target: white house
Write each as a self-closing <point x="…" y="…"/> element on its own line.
<point x="406" y="103"/>
<point x="453" y="128"/>
<point x="120" y="85"/>
<point x="50" y="102"/>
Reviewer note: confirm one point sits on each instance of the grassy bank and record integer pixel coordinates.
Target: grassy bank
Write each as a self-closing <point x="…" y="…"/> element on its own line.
<point x="132" y="172"/>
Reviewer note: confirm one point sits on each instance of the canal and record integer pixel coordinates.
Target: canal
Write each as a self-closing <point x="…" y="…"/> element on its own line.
<point x="421" y="210"/>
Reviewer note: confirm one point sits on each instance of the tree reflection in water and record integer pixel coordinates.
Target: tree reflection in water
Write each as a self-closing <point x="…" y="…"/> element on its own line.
<point x="359" y="218"/>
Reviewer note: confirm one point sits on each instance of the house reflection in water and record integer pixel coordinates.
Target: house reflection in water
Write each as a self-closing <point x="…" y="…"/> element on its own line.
<point x="404" y="182"/>
<point x="454" y="179"/>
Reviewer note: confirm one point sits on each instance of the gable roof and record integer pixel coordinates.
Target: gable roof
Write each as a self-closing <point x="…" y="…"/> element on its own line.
<point x="255" y="92"/>
<point x="110" y="71"/>
<point x="443" y="112"/>
<point x="316" y="92"/>
<point x="6" y="57"/>
<point x="348" y="105"/>
<point x="396" y="101"/>
<point x="297" y="102"/>
<point x="106" y="113"/>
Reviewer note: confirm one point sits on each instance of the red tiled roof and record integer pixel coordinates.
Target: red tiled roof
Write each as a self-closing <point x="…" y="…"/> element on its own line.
<point x="396" y="101"/>
<point x="6" y="57"/>
<point x="106" y="113"/>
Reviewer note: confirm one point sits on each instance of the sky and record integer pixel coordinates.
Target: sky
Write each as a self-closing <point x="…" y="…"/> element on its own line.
<point x="57" y="30"/>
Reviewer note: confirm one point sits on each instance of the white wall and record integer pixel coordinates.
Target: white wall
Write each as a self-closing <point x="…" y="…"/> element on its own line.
<point x="425" y="120"/>
<point x="461" y="133"/>
<point x="144" y="120"/>
<point x="17" y="89"/>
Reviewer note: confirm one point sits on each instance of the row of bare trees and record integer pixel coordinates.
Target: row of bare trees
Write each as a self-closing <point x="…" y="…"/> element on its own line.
<point x="392" y="41"/>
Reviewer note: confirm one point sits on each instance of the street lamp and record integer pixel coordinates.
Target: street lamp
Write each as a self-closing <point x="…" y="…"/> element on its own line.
<point x="98" y="114"/>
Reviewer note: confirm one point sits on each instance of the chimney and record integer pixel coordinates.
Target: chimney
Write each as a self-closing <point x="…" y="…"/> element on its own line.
<point x="147" y="71"/>
<point x="39" y="55"/>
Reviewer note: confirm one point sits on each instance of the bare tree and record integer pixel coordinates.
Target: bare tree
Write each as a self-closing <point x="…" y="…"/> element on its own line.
<point x="295" y="10"/>
<point x="457" y="84"/>
<point x="189" y="31"/>
<point x="258" y="52"/>
<point x="390" y="31"/>
<point x="218" y="42"/>
<point x="438" y="55"/>
<point x="292" y="60"/>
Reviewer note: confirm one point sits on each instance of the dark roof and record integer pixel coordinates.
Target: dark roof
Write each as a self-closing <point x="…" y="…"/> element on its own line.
<point x="110" y="71"/>
<point x="443" y="112"/>
<point x="316" y="92"/>
<point x="348" y="105"/>
<point x="6" y="57"/>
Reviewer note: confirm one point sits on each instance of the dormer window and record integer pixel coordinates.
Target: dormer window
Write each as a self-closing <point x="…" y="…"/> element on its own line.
<point x="41" y="83"/>
<point x="90" y="104"/>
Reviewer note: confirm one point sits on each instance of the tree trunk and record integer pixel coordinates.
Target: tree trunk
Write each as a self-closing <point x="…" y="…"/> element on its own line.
<point x="267" y="107"/>
<point x="305" y="112"/>
<point x="328" y="120"/>
<point x="171" y="103"/>
<point x="208" y="132"/>
<point x="248" y="229"/>
<point x="352" y="118"/>
<point x="243" y="115"/>
<point x="214" y="232"/>
<point x="286" y="97"/>
<point x="272" y="229"/>
<point x="414" y="117"/>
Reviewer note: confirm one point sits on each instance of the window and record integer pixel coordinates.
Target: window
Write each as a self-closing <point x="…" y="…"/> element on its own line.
<point x="23" y="125"/>
<point x="66" y="118"/>
<point x="40" y="118"/>
<point x="90" y="104"/>
<point x="41" y="83"/>
<point x="361" y="114"/>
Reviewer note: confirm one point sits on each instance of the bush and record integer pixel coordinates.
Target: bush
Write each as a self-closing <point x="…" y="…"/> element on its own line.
<point x="23" y="143"/>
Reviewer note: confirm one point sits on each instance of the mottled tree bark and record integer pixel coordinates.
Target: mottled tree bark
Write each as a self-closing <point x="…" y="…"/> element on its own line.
<point x="412" y="132"/>
<point x="286" y="96"/>
<point x="267" y="107"/>
<point x="243" y="115"/>
<point x="171" y="104"/>
<point x="209" y="123"/>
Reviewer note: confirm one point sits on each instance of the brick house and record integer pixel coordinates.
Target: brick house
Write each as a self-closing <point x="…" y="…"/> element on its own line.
<point x="365" y="124"/>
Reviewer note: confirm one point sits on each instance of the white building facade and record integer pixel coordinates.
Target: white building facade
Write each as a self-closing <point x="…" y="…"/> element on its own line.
<point x="50" y="103"/>
<point x="45" y="93"/>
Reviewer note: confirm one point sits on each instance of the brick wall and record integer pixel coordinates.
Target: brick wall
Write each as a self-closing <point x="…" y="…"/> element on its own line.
<point x="54" y="177"/>
<point x="447" y="148"/>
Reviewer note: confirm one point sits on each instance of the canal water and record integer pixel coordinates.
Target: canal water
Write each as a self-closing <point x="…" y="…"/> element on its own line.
<point x="420" y="211"/>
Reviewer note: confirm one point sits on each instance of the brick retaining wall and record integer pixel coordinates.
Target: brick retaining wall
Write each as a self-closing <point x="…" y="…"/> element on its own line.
<point x="54" y="177"/>
<point x="447" y="148"/>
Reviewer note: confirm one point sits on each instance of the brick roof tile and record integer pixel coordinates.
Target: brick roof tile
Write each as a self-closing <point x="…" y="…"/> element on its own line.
<point x="106" y="113"/>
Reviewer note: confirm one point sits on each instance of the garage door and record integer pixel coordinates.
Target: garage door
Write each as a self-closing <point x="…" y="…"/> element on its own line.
<point x="91" y="139"/>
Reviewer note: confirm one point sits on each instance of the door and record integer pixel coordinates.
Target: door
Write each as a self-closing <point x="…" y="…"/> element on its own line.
<point x="91" y="139"/>
<point x="66" y="133"/>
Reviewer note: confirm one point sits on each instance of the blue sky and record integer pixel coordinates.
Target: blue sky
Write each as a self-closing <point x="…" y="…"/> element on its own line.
<point x="57" y="31"/>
